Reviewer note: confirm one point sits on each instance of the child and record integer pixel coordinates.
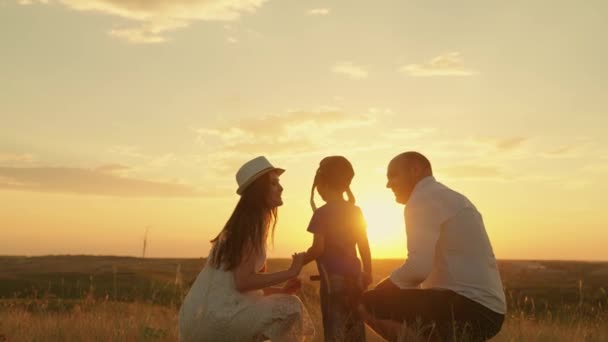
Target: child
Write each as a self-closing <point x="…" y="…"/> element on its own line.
<point x="339" y="228"/>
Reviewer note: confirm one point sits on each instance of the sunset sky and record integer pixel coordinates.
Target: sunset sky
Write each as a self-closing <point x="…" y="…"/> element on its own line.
<point x="118" y="116"/>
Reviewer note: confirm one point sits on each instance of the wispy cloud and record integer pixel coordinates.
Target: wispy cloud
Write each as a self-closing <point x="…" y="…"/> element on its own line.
<point x="501" y="149"/>
<point x="16" y="157"/>
<point x="410" y="133"/>
<point x="561" y="152"/>
<point x="472" y="171"/>
<point x="600" y="167"/>
<point x="127" y="151"/>
<point x="235" y="34"/>
<point x="575" y="149"/>
<point x="148" y="32"/>
<point x="575" y="184"/>
<point x="449" y="64"/>
<point x="112" y="168"/>
<point x="154" y="18"/>
<point x="510" y="143"/>
<point x="349" y="69"/>
<point x="502" y="144"/>
<point x="147" y="162"/>
<point x="279" y="128"/>
<point x="100" y="181"/>
<point x="289" y="134"/>
<point x="319" y="11"/>
<point x="30" y="2"/>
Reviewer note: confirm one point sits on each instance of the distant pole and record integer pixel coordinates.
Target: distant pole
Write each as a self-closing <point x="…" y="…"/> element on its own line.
<point x="143" y="254"/>
<point x="178" y="275"/>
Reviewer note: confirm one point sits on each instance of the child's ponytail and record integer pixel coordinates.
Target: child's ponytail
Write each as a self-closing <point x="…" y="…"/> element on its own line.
<point x="313" y="205"/>
<point x="312" y="197"/>
<point x="350" y="195"/>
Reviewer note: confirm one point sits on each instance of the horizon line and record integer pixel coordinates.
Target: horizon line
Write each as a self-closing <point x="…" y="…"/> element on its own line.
<point x="274" y="258"/>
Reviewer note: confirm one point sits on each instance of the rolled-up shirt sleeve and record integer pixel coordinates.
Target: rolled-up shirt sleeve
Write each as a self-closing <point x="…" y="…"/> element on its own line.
<point x="422" y="229"/>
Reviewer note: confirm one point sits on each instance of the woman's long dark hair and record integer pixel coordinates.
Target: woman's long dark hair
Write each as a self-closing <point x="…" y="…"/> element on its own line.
<point x="247" y="228"/>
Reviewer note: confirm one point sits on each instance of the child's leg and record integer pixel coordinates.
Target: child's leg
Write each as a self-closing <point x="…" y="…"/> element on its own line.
<point x="355" y="325"/>
<point x="338" y="317"/>
<point x="334" y="303"/>
<point x="344" y="322"/>
<point x="324" y="296"/>
<point x="355" y="328"/>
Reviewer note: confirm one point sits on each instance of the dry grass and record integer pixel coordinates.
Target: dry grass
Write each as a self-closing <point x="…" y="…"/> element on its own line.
<point x="533" y="329"/>
<point x="113" y="321"/>
<point x="89" y="321"/>
<point x="554" y="309"/>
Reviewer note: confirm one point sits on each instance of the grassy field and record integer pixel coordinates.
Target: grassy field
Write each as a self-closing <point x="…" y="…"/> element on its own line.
<point x="89" y="298"/>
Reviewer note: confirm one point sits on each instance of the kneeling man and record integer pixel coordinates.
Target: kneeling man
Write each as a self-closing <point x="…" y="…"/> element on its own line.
<point x="449" y="286"/>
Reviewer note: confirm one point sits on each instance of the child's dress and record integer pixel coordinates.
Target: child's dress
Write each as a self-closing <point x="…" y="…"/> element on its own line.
<point x="214" y="310"/>
<point x="340" y="223"/>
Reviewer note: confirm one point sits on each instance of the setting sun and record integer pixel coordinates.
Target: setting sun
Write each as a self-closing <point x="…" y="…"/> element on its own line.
<point x="385" y="226"/>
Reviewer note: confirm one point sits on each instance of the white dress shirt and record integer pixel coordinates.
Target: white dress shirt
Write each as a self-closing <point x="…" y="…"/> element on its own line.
<point x="448" y="247"/>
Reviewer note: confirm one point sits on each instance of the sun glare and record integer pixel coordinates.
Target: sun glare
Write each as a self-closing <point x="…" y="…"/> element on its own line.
<point x="385" y="226"/>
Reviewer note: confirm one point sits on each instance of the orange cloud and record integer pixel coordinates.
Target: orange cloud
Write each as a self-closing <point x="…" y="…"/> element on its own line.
<point x="91" y="182"/>
<point x="13" y="157"/>
<point x="155" y="18"/>
<point x="111" y="168"/>
<point x="510" y="143"/>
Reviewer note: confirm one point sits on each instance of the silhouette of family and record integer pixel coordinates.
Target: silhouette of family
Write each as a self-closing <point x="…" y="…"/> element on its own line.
<point x="448" y="288"/>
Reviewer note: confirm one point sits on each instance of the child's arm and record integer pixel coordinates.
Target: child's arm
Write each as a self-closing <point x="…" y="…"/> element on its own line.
<point x="366" y="256"/>
<point x="316" y="250"/>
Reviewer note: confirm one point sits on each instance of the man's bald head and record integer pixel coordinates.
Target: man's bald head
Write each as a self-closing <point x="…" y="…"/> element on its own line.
<point x="414" y="159"/>
<point x="404" y="172"/>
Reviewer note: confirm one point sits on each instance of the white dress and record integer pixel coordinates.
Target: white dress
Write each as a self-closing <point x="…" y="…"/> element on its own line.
<point x="214" y="310"/>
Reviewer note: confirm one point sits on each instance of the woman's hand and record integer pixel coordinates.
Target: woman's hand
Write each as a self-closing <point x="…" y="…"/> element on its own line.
<point x="292" y="286"/>
<point x="297" y="261"/>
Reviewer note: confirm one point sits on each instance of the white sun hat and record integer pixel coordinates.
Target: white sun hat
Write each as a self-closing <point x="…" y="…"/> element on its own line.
<point x="252" y="170"/>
